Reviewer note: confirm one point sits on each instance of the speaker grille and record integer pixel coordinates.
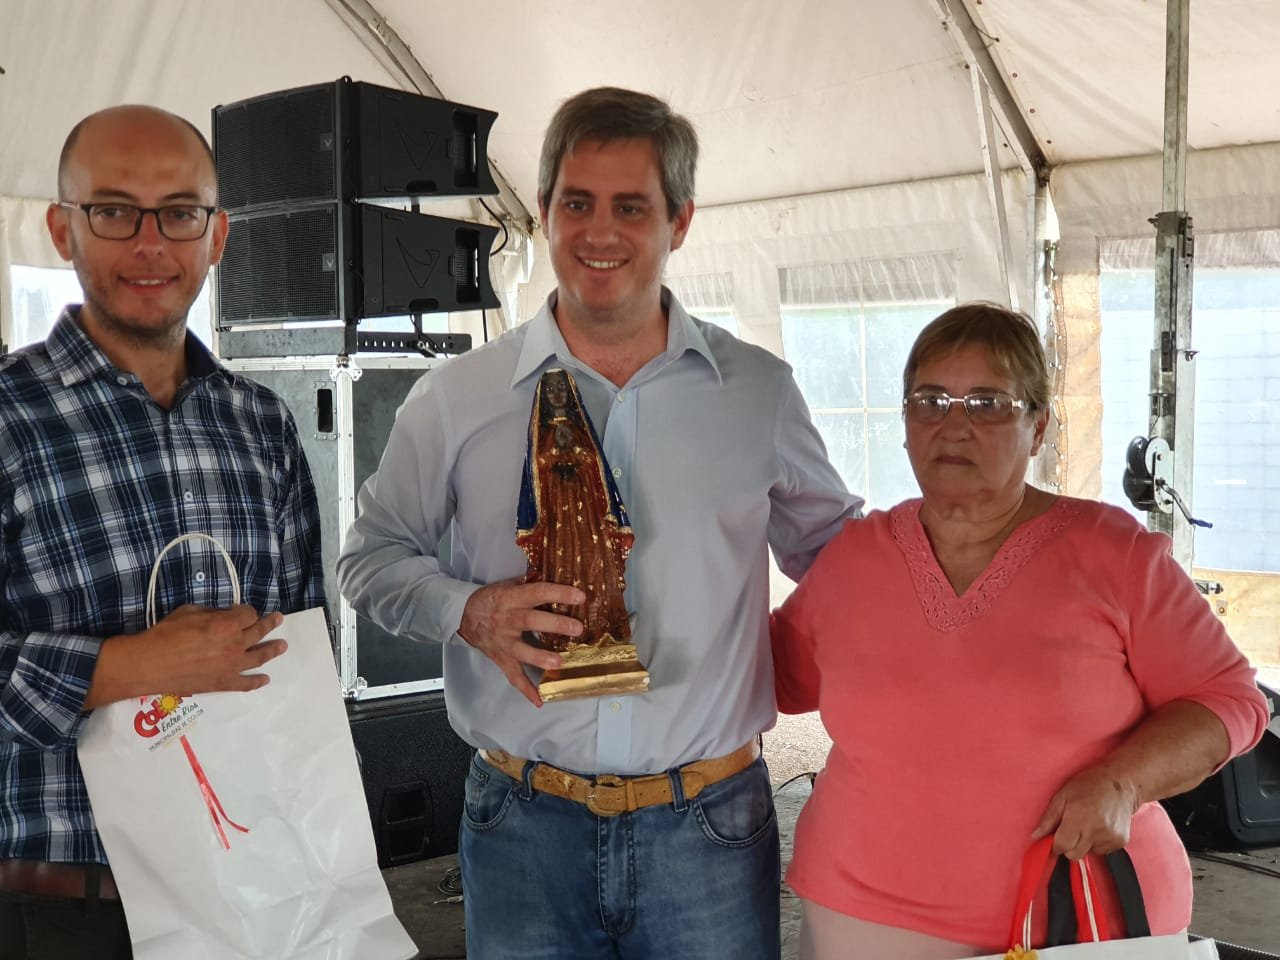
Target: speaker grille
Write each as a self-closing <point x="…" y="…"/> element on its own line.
<point x="414" y="769"/>
<point x="281" y="265"/>
<point x="278" y="149"/>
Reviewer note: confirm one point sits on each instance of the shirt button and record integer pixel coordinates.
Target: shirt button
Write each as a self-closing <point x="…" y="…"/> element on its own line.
<point x="615" y="706"/>
<point x="199" y="576"/>
<point x="188" y="496"/>
<point x="123" y="381"/>
<point x="617" y="473"/>
<point x="621" y="396"/>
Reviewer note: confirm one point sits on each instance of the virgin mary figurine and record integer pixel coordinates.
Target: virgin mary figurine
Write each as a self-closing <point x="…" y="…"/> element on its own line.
<point x="573" y="527"/>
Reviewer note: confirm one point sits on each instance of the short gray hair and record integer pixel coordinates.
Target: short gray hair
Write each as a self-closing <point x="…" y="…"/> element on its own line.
<point x="611" y="113"/>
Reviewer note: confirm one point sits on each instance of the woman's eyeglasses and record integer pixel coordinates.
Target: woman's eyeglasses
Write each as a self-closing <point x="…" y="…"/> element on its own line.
<point x="981" y="406"/>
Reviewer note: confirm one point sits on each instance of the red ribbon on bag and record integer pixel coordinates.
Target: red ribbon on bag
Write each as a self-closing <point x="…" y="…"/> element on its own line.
<point x="210" y="797"/>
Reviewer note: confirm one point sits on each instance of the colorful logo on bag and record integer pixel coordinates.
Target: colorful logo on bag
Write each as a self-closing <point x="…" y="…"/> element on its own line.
<point x="165" y="716"/>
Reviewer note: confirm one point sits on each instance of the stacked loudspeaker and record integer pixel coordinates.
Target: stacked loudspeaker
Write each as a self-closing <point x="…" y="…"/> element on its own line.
<point x="306" y="176"/>
<point x="315" y="181"/>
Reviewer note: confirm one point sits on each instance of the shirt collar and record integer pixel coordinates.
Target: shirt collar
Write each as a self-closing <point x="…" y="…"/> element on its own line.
<point x="543" y="341"/>
<point x="76" y="358"/>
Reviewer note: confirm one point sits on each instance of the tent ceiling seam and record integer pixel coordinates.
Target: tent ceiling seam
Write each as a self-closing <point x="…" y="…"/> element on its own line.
<point x="968" y="36"/>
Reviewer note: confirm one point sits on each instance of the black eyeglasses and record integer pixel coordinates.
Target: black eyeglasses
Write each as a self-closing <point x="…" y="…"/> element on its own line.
<point x="982" y="406"/>
<point x="122" y="221"/>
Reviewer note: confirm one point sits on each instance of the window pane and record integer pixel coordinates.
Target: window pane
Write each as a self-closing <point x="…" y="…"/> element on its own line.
<point x="845" y="437"/>
<point x="1237" y="443"/>
<point x="824" y="346"/>
<point x="889" y="476"/>
<point x="891" y="329"/>
<point x="1236" y="328"/>
<point x="1127" y="305"/>
<point x="40" y="293"/>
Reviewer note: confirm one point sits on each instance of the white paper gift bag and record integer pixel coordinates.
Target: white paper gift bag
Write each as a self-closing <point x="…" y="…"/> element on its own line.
<point x="1093" y="940"/>
<point x="235" y="823"/>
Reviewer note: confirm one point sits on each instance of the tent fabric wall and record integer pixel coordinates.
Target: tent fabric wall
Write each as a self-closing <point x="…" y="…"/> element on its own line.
<point x="753" y="242"/>
<point x="1228" y="190"/>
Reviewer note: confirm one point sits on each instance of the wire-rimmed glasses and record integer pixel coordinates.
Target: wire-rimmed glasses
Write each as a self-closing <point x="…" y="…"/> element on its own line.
<point x="981" y="406"/>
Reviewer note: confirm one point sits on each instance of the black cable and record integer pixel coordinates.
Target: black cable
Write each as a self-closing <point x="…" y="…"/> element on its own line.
<point x="1242" y="864"/>
<point x="810" y="774"/>
<point x="506" y="234"/>
<point x="451" y="882"/>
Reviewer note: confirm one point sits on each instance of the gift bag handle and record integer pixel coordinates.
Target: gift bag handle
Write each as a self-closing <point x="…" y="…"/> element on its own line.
<point x="1072" y="895"/>
<point x="155" y="572"/>
<point x="1064" y="900"/>
<point x="1034" y="863"/>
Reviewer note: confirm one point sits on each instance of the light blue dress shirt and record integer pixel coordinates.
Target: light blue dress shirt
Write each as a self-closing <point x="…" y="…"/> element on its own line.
<point x="717" y="460"/>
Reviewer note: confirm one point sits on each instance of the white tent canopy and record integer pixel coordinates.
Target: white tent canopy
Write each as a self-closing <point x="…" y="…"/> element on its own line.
<point x="843" y="158"/>
<point x="802" y="97"/>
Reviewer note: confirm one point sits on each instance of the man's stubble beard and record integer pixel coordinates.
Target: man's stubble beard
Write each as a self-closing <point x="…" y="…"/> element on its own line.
<point x="172" y="330"/>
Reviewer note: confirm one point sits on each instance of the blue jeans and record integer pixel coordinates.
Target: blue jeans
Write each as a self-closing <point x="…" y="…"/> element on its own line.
<point x="546" y="879"/>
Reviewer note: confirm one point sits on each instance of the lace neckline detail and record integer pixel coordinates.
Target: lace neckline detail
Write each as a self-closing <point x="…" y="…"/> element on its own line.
<point x="943" y="610"/>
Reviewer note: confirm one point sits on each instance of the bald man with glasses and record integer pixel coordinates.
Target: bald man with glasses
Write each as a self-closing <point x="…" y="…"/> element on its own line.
<point x="118" y="433"/>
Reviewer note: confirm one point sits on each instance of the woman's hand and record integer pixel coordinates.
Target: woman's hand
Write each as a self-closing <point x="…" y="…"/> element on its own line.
<point x="1091" y="813"/>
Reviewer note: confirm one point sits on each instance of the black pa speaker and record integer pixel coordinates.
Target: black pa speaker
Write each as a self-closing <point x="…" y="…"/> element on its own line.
<point x="350" y="261"/>
<point x="348" y="141"/>
<point x="1238" y="806"/>
<point x="414" y="769"/>
<point x="295" y="170"/>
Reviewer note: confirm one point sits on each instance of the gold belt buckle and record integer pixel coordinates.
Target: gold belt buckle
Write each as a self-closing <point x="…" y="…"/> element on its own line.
<point x="611" y="787"/>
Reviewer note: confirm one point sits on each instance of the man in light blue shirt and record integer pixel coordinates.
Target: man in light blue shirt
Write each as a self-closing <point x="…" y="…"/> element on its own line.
<point x="620" y="826"/>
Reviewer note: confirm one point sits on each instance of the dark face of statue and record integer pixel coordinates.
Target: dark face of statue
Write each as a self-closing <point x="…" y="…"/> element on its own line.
<point x="556" y="390"/>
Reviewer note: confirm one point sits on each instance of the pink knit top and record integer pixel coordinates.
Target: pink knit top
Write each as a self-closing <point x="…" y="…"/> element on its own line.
<point x="955" y="719"/>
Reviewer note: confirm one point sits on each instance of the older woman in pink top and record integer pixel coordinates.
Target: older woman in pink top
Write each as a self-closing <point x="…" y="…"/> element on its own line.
<point x="994" y="663"/>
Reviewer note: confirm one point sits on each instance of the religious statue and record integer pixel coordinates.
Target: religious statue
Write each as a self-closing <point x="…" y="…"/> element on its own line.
<point x="574" y="529"/>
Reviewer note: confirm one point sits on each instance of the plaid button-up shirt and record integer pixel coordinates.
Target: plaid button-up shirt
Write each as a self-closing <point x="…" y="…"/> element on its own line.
<point x="95" y="479"/>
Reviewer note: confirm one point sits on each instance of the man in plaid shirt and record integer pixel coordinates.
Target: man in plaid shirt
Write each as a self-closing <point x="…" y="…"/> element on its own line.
<point x="117" y="434"/>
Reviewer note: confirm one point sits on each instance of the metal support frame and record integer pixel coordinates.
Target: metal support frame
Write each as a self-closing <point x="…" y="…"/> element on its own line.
<point x="995" y="105"/>
<point x="1172" y="359"/>
<point x="972" y="43"/>
<point x="334" y="466"/>
<point x="995" y="188"/>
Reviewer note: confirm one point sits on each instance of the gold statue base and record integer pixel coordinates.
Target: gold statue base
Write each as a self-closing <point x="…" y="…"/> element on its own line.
<point x="589" y="671"/>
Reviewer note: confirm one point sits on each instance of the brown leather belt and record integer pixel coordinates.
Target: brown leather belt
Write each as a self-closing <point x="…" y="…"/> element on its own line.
<point x="608" y="795"/>
<point x="70" y="881"/>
